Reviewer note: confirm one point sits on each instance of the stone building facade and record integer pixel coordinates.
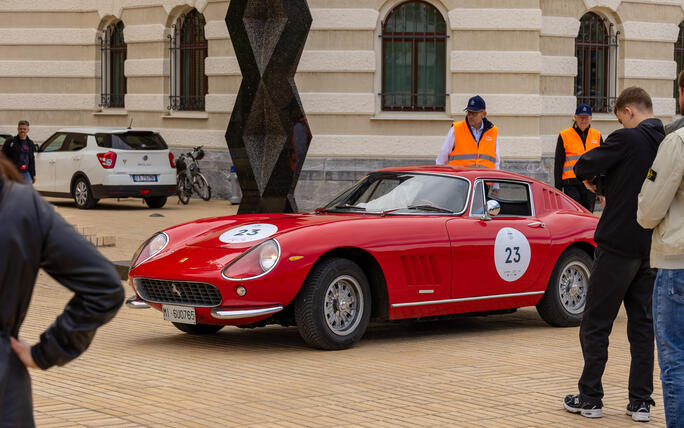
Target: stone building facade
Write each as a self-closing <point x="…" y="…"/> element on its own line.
<point x="170" y="65"/>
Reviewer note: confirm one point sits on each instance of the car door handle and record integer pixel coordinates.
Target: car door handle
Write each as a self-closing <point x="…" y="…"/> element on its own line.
<point x="51" y="162"/>
<point x="536" y="224"/>
<point x="77" y="158"/>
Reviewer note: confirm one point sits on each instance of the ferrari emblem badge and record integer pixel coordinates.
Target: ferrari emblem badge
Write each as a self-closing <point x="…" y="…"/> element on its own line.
<point x="175" y="289"/>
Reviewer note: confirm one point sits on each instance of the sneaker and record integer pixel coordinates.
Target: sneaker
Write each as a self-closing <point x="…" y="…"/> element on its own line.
<point x="573" y="404"/>
<point x="640" y="411"/>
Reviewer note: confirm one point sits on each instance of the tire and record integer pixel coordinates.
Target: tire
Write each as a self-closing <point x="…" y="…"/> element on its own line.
<point x="197" y="328"/>
<point x="321" y="321"/>
<point x="201" y="187"/>
<point x="83" y="196"/>
<point x="566" y="294"/>
<point x="183" y="191"/>
<point x="155" y="201"/>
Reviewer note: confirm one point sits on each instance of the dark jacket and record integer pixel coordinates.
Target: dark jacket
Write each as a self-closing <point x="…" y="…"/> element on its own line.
<point x="625" y="158"/>
<point x="559" y="161"/>
<point x="34" y="236"/>
<point x="12" y="149"/>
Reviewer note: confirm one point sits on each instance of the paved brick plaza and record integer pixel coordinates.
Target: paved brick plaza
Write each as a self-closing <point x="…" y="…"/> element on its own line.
<point x="500" y="371"/>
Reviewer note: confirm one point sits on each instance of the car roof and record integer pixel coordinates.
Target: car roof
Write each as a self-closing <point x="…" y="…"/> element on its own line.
<point x="467" y="172"/>
<point x="105" y="130"/>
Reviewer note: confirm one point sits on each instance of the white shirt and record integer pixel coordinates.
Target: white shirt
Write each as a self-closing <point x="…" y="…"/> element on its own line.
<point x="448" y="146"/>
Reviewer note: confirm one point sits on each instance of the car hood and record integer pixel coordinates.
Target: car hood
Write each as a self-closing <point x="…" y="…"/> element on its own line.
<point x="245" y="231"/>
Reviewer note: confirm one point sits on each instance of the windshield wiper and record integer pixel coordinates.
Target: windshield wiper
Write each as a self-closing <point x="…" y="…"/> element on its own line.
<point x="433" y="208"/>
<point x="349" y="207"/>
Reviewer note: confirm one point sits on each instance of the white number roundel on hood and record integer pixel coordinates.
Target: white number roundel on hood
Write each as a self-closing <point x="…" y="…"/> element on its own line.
<point x="248" y="233"/>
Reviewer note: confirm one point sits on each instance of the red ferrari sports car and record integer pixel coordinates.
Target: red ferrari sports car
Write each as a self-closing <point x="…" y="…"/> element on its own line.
<point x="408" y="242"/>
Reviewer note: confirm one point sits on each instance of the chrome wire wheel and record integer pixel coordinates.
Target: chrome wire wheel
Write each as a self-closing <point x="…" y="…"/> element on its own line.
<point x="81" y="193"/>
<point x="572" y="286"/>
<point x="343" y="305"/>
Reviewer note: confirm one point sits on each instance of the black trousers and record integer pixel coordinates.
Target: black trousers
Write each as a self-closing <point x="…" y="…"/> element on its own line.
<point x="581" y="194"/>
<point x="616" y="279"/>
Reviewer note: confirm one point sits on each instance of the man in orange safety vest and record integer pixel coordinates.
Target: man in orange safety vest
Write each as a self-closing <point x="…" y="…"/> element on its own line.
<point x="472" y="142"/>
<point x="572" y="143"/>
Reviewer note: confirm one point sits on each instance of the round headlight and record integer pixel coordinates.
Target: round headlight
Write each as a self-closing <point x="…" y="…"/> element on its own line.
<point x="150" y="248"/>
<point x="268" y="255"/>
<point x="255" y="262"/>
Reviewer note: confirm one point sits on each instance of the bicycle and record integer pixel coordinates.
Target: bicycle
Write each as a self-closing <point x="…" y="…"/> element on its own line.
<point x="189" y="179"/>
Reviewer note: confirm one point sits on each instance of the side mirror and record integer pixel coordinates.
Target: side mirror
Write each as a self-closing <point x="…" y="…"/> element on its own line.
<point x="36" y="148"/>
<point x="493" y="208"/>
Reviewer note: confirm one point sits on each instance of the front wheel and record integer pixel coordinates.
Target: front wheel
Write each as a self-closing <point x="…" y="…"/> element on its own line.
<point x="566" y="294"/>
<point x="333" y="307"/>
<point x="197" y="328"/>
<point x="184" y="191"/>
<point x="201" y="186"/>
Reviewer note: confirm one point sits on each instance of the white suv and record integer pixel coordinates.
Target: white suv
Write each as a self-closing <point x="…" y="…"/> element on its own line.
<point x="89" y="164"/>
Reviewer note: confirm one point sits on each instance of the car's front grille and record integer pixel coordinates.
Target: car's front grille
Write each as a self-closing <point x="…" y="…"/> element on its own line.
<point x="178" y="292"/>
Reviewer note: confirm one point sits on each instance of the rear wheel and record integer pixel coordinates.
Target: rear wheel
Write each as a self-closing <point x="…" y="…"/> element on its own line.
<point x="566" y="294"/>
<point x="83" y="196"/>
<point x="333" y="307"/>
<point x="201" y="186"/>
<point x="155" y="201"/>
<point x="183" y="189"/>
<point x="197" y="328"/>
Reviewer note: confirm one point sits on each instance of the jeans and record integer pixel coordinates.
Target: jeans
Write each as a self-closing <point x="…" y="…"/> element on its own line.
<point x="668" y="321"/>
<point x="617" y="280"/>
<point x="27" y="177"/>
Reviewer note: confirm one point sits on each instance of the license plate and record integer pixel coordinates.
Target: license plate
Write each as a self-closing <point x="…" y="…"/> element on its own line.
<point x="144" y="178"/>
<point x="181" y="314"/>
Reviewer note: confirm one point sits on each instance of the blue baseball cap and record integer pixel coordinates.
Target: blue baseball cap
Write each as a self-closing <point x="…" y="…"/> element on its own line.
<point x="475" y="103"/>
<point x="583" y="109"/>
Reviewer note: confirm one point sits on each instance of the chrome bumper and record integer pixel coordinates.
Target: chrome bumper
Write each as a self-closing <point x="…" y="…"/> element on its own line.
<point x="135" y="303"/>
<point x="225" y="314"/>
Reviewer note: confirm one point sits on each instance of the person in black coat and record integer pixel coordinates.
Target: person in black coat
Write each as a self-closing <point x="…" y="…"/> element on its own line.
<point x="20" y="150"/>
<point x="621" y="270"/>
<point x="34" y="236"/>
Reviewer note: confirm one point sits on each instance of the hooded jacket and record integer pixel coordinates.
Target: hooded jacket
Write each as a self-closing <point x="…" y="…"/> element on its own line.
<point x="661" y="203"/>
<point x="34" y="236"/>
<point x="625" y="158"/>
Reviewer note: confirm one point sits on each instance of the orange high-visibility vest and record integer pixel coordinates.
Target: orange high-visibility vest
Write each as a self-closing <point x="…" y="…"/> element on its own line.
<point x="574" y="148"/>
<point x="467" y="152"/>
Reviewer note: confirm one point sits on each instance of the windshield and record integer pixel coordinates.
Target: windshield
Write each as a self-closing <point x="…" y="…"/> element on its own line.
<point x="132" y="141"/>
<point x="403" y="193"/>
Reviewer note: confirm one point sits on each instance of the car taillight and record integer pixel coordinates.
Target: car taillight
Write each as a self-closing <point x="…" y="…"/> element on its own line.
<point x="171" y="160"/>
<point x="107" y="160"/>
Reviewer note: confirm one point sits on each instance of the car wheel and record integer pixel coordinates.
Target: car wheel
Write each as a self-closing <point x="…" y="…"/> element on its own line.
<point x="332" y="309"/>
<point x="197" y="328"/>
<point x="566" y="294"/>
<point x="155" y="201"/>
<point x="83" y="195"/>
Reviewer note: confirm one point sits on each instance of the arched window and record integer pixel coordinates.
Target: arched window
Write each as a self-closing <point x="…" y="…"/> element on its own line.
<point x="596" y="78"/>
<point x="679" y="59"/>
<point x="188" y="52"/>
<point x="113" y="56"/>
<point x="413" y="58"/>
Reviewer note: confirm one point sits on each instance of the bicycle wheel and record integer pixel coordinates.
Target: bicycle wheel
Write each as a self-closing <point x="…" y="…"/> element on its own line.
<point x="184" y="191"/>
<point x="201" y="186"/>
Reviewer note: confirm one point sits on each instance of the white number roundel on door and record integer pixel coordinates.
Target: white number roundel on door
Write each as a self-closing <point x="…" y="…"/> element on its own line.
<point x="512" y="254"/>
<point x="248" y="233"/>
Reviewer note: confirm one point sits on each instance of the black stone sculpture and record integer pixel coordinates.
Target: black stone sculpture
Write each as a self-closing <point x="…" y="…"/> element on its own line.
<point x="268" y="135"/>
